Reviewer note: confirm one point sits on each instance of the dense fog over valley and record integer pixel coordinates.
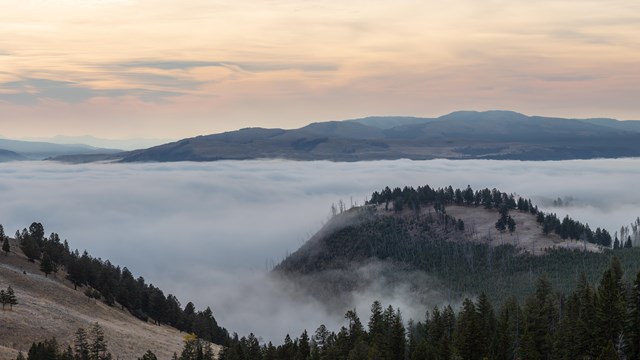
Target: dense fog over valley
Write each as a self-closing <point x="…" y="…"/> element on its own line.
<point x="208" y="232"/>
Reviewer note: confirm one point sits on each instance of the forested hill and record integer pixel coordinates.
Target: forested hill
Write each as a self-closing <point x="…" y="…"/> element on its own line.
<point x="599" y="320"/>
<point x="32" y="262"/>
<point x="459" y="135"/>
<point x="470" y="241"/>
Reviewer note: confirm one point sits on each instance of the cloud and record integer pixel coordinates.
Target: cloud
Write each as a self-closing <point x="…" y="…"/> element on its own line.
<point x="208" y="232"/>
<point x="263" y="66"/>
<point x="31" y="91"/>
<point x="160" y="80"/>
<point x="168" y="65"/>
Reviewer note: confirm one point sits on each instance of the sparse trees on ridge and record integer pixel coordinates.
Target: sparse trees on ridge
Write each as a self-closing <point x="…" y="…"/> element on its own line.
<point x="8" y="297"/>
<point x="111" y="283"/>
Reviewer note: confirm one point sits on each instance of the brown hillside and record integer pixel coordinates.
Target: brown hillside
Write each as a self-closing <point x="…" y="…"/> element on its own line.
<point x="51" y="307"/>
<point x="480" y="227"/>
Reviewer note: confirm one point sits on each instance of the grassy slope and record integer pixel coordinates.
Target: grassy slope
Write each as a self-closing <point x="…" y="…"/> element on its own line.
<point x="50" y="307"/>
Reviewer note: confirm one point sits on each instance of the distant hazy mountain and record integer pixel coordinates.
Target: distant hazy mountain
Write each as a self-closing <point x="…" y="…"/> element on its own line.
<point x="35" y="150"/>
<point x="628" y="125"/>
<point x="388" y="122"/>
<point x="6" y="155"/>
<point x="459" y="135"/>
<point x="124" y="144"/>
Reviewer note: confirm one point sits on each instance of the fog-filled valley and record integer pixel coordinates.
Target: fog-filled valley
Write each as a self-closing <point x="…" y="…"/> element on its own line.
<point x="210" y="232"/>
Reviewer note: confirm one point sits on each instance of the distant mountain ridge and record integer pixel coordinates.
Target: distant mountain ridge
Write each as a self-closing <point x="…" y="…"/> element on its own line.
<point x="6" y="155"/>
<point x="38" y="150"/>
<point x="459" y="135"/>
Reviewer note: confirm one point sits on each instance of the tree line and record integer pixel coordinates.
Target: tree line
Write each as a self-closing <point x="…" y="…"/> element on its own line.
<point x="567" y="228"/>
<point x="592" y="322"/>
<point x="92" y="345"/>
<point x="113" y="284"/>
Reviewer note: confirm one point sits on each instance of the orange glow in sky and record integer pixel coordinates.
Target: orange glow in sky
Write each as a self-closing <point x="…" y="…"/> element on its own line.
<point x="172" y="69"/>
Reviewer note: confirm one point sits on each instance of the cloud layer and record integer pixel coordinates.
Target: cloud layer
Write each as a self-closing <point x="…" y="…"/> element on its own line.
<point x="307" y="60"/>
<point x="208" y="231"/>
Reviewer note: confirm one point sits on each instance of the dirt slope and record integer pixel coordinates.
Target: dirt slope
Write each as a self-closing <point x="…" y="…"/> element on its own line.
<point x="50" y="307"/>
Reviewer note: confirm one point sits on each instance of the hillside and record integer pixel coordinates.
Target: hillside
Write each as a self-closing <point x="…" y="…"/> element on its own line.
<point x="454" y="243"/>
<point x="49" y="306"/>
<point x="6" y="155"/>
<point x="459" y="135"/>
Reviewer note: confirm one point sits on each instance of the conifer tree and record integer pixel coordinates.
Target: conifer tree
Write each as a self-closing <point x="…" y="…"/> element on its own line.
<point x="304" y="349"/>
<point x="81" y="345"/>
<point x="511" y="224"/>
<point x="98" y="344"/>
<point x="46" y="265"/>
<point x="3" y="298"/>
<point x="610" y="306"/>
<point x="5" y="246"/>
<point x="11" y="297"/>
<point x="398" y="340"/>
<point x="149" y="355"/>
<point x="632" y="335"/>
<point x="486" y="324"/>
<point x="468" y="332"/>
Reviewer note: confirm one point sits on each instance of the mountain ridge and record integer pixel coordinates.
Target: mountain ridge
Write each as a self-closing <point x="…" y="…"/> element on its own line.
<point x="458" y="135"/>
<point x="39" y="150"/>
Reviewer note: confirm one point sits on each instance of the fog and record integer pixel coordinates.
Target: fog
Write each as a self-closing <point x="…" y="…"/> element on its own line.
<point x="208" y="232"/>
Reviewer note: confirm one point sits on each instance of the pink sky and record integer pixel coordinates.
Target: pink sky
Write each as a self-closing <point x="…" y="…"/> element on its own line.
<point x="172" y="69"/>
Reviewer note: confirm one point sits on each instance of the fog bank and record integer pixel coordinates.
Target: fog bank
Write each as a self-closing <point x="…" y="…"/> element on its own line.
<point x="207" y="231"/>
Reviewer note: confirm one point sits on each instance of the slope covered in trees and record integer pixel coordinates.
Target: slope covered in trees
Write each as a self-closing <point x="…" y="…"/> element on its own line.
<point x="114" y="284"/>
<point x="103" y="291"/>
<point x="599" y="321"/>
<point x="412" y="228"/>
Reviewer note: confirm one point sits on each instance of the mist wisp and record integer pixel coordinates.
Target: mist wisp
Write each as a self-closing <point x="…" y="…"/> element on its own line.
<point x="209" y="232"/>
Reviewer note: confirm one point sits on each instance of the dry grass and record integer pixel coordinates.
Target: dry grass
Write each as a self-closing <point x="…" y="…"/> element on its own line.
<point x="480" y="227"/>
<point x="51" y="307"/>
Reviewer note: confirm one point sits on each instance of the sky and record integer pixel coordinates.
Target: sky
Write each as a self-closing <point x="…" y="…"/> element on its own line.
<point x="173" y="69"/>
<point x="209" y="232"/>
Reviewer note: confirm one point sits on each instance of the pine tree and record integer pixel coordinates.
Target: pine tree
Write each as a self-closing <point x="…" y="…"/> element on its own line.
<point x="20" y="356"/>
<point x="511" y="224"/>
<point x="632" y="335"/>
<point x="398" y="339"/>
<point x="376" y="325"/>
<point x="29" y="246"/>
<point x="81" y="345"/>
<point x="486" y="323"/>
<point x="468" y="332"/>
<point x="304" y="349"/>
<point x="191" y="348"/>
<point x="5" y="246"/>
<point x="149" y="355"/>
<point x="11" y="297"/>
<point x="3" y="298"/>
<point x="610" y="306"/>
<point x="98" y="344"/>
<point x="46" y="265"/>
